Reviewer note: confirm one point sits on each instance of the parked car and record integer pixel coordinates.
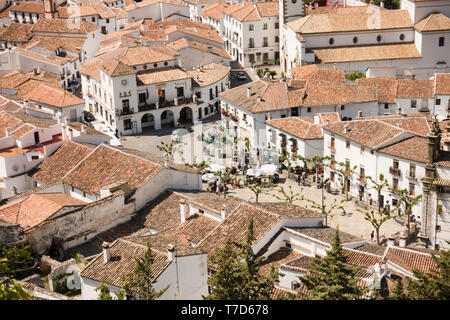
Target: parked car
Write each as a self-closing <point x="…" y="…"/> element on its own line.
<point x="87" y="116"/>
<point x="242" y="76"/>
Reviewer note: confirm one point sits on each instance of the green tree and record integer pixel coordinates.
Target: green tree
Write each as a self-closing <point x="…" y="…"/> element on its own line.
<point x="225" y="178"/>
<point x="330" y="278"/>
<point x="104" y="293"/>
<point x="327" y="210"/>
<point x="399" y="291"/>
<point x="198" y="166"/>
<point x="238" y="276"/>
<point x="169" y="149"/>
<point x="139" y="283"/>
<point x="433" y="285"/>
<point x="9" y="289"/>
<point x="19" y="260"/>
<point x="354" y="75"/>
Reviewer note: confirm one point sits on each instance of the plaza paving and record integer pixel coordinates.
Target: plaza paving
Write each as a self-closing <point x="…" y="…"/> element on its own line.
<point x="353" y="222"/>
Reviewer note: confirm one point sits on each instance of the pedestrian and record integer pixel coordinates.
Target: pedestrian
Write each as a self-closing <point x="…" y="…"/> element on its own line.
<point x="372" y="236"/>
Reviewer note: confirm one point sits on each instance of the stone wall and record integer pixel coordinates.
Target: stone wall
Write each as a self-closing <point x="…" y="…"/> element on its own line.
<point x="9" y="233"/>
<point x="80" y="226"/>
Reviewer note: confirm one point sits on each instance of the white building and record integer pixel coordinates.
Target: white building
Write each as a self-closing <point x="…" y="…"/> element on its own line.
<point x="251" y="32"/>
<point x="356" y="38"/>
<point x="196" y="7"/>
<point x="157" y="10"/>
<point x="26" y="12"/>
<point x="145" y="87"/>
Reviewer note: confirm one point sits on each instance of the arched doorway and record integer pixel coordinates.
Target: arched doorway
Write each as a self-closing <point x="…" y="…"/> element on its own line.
<point x="186" y="116"/>
<point x="167" y="119"/>
<point x="148" y="121"/>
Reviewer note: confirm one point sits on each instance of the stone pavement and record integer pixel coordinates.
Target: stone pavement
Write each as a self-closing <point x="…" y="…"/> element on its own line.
<point x="353" y="222"/>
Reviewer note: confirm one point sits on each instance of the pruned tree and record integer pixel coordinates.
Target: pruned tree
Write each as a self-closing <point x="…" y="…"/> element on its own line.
<point x="259" y="186"/>
<point x="408" y="201"/>
<point x="139" y="283"/>
<point x="347" y="172"/>
<point x="318" y="161"/>
<point x="329" y="209"/>
<point x="288" y="195"/>
<point x="198" y="166"/>
<point x="169" y="149"/>
<point x="287" y="158"/>
<point x="225" y="179"/>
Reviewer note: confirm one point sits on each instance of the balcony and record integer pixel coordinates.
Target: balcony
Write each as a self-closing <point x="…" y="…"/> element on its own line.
<point x="124" y="112"/>
<point x="332" y="147"/>
<point x="394" y="171"/>
<point x="147" y="107"/>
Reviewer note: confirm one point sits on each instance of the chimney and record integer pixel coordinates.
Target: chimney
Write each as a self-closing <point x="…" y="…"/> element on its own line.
<point x="106" y="251"/>
<point x="360" y="114"/>
<point x="391" y="241"/>
<point x="6" y="132"/>
<point x="346" y="128"/>
<point x="63" y="132"/>
<point x="248" y="92"/>
<point x="167" y="163"/>
<point x="183" y="213"/>
<point x="403" y="237"/>
<point x="35" y="71"/>
<point x="170" y="252"/>
<point x="224" y="211"/>
<point x="83" y="129"/>
<point x="70" y="134"/>
<point x="399" y="110"/>
<point x="382" y="4"/>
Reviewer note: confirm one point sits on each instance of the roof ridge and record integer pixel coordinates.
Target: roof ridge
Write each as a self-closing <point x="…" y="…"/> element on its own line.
<point x="363" y="252"/>
<point x="411" y="250"/>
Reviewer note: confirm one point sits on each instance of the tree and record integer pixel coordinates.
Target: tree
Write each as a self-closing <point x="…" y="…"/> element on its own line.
<point x="225" y="178"/>
<point x="19" y="260"/>
<point x="199" y="167"/>
<point x="258" y="186"/>
<point x="169" y="149"/>
<point x="104" y="293"/>
<point x="140" y="281"/>
<point x="318" y="161"/>
<point x="287" y="158"/>
<point x="327" y="209"/>
<point x="409" y="201"/>
<point x="286" y="196"/>
<point x="9" y="289"/>
<point x="433" y="285"/>
<point x="379" y="217"/>
<point x="330" y="278"/>
<point x="399" y="291"/>
<point x="347" y="172"/>
<point x="237" y="276"/>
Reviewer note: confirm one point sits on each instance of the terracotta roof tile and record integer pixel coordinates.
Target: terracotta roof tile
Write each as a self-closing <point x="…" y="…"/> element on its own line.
<point x="387" y="88"/>
<point x="443" y="84"/>
<point x="215" y="11"/>
<point x="56" y="166"/>
<point x="314" y="72"/>
<point x="351" y="22"/>
<point x="325" y="234"/>
<point x="208" y="74"/>
<point x="409" y="149"/>
<point x="62" y="26"/>
<point x="106" y="165"/>
<point x="434" y="22"/>
<point x="162" y="75"/>
<point x="52" y="96"/>
<point x="122" y="262"/>
<point x="37" y="208"/>
<point x="28" y="7"/>
<point x="414" y="88"/>
<point x="184" y="43"/>
<point x="410" y="259"/>
<point x="298" y="127"/>
<point x="278" y="258"/>
<point x="367" y="53"/>
<point x="16" y="32"/>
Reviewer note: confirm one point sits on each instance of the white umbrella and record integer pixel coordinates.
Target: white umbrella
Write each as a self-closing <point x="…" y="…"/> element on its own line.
<point x="209" y="176"/>
<point x="268" y="169"/>
<point x="255" y="172"/>
<point x="216" y="167"/>
<point x="297" y="163"/>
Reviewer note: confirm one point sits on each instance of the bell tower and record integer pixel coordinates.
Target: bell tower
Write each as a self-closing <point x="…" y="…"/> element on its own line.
<point x="290" y="10"/>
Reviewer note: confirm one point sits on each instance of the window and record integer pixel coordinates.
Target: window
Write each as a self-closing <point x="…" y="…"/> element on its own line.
<point x="252" y="58"/>
<point x="413" y="103"/>
<point x="295" y="284"/>
<point x="438" y="102"/>
<point x="332" y="142"/>
<point x="265" y="57"/>
<point x="412" y="170"/>
<point x="250" y="27"/>
<point x="125" y="104"/>
<point x="331" y="41"/>
<point x="347" y="144"/>
<point x="441" y="41"/>
<point x="93" y="19"/>
<point x="277" y="25"/>
<point x="395" y="164"/>
<point x="277" y="39"/>
<point x="402" y="37"/>
<point x="412" y="189"/>
<point x="294" y="1"/>
<point x="127" y="124"/>
<point x="332" y="176"/>
<point x="379" y="38"/>
<point x="264" y="26"/>
<point x="288" y="245"/>
<point x="251" y="43"/>
<point x="265" y="42"/>
<point x="144" y="66"/>
<point x="355" y="39"/>
<point x="308" y="109"/>
<point x="361" y="173"/>
<point x="166" y="63"/>
<point x="180" y="92"/>
<point x="394" y="185"/>
<point x="107" y="20"/>
<point x="294" y="112"/>
<point x="386" y="106"/>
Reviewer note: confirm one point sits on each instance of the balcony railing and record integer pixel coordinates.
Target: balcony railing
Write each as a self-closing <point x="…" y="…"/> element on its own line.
<point x="147" y="107"/>
<point x="394" y="171"/>
<point x="124" y="112"/>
